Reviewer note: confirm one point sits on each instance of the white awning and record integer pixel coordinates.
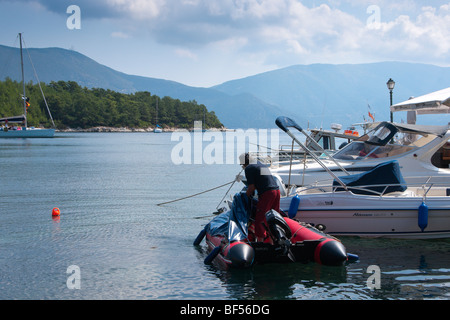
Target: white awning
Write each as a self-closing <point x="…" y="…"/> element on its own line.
<point x="437" y="102"/>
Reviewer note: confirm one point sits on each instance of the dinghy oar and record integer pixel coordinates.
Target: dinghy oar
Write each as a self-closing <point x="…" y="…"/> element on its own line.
<point x="194" y="195"/>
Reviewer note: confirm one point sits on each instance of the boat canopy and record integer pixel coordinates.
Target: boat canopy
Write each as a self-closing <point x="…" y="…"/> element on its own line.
<point x="233" y="224"/>
<point x="385" y="131"/>
<point x="422" y="129"/>
<point x="16" y="119"/>
<point x="437" y="102"/>
<point x="383" y="178"/>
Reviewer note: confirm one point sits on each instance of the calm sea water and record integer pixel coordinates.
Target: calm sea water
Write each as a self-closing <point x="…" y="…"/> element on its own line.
<point x="107" y="187"/>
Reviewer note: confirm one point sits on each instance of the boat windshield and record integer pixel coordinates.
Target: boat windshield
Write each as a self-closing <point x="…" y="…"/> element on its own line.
<point x="360" y="150"/>
<point x="383" y="142"/>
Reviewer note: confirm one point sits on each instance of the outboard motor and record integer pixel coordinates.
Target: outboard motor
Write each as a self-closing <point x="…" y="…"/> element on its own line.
<point x="280" y="232"/>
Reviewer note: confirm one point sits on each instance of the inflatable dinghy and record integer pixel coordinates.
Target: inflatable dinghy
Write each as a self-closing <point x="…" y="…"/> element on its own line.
<point x="289" y="240"/>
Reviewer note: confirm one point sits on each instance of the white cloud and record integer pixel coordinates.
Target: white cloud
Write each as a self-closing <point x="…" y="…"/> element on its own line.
<point x="423" y="38"/>
<point x="308" y="30"/>
<point x="278" y="33"/>
<point x="257" y="9"/>
<point x="138" y="9"/>
<point x="119" y="34"/>
<point x="266" y="34"/>
<point x="184" y="53"/>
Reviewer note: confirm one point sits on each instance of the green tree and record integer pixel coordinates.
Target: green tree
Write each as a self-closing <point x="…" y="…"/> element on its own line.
<point x="73" y="106"/>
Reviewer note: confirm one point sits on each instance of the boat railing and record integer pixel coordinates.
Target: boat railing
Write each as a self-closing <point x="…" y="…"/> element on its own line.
<point x="284" y="157"/>
<point x="425" y="189"/>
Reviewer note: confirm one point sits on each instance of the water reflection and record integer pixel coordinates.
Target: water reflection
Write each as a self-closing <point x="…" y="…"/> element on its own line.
<point x="107" y="187"/>
<point x="409" y="270"/>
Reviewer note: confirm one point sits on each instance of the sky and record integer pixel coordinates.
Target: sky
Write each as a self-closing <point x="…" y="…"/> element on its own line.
<point x="203" y="43"/>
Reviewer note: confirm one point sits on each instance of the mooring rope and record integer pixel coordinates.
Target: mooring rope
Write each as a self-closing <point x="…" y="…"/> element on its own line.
<point x="191" y="196"/>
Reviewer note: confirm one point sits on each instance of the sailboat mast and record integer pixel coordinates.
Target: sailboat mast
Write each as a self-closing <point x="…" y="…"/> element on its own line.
<point x="23" y="81"/>
<point x="156" y="118"/>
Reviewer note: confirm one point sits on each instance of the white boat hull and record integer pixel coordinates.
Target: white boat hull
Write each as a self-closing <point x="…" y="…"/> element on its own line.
<point x="413" y="172"/>
<point x="346" y="214"/>
<point x="29" y="133"/>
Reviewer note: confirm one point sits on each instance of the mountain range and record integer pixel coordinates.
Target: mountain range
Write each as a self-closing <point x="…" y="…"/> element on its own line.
<point x="314" y="95"/>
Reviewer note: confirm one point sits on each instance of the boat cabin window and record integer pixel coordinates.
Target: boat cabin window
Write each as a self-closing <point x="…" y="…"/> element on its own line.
<point x="324" y="142"/>
<point x="328" y="140"/>
<point x="341" y="142"/>
<point x="441" y="158"/>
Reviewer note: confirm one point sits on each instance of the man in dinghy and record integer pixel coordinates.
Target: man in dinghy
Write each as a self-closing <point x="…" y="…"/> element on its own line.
<point x="260" y="179"/>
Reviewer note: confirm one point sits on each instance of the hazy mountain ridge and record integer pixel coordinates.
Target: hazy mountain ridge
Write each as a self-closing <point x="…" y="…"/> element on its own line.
<point x="318" y="94"/>
<point x="324" y="93"/>
<point x="54" y="64"/>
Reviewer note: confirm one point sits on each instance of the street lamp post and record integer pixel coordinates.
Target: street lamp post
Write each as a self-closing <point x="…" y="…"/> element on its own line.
<point x="391" y="84"/>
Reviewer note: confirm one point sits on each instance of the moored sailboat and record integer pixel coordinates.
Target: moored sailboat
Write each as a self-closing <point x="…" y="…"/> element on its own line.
<point x="21" y="129"/>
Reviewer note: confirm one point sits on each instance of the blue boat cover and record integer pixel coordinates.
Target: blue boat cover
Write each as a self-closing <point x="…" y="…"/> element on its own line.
<point x="233" y="223"/>
<point x="376" y="179"/>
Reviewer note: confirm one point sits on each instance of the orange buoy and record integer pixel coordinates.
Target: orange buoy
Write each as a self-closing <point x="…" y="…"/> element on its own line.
<point x="56" y="212"/>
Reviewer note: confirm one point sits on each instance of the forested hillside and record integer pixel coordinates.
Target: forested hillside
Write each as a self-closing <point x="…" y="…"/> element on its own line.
<point x="73" y="106"/>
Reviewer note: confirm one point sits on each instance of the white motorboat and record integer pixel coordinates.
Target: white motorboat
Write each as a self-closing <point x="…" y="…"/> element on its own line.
<point x="330" y="140"/>
<point x="422" y="151"/>
<point x="377" y="203"/>
<point x="21" y="130"/>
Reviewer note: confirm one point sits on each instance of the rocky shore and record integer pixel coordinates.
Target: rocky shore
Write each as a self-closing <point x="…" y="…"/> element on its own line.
<point x="126" y="129"/>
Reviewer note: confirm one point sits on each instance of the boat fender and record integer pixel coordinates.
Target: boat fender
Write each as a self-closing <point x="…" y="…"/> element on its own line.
<point x="200" y="237"/>
<point x="212" y="255"/>
<point x="293" y="208"/>
<point x="423" y="216"/>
